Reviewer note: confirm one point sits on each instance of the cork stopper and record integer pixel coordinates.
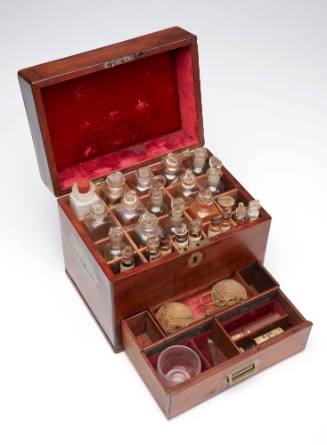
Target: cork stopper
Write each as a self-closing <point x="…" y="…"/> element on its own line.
<point x="83" y="184"/>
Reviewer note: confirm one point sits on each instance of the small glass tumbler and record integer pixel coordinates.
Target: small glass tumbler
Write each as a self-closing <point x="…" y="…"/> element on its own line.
<point x="178" y="363"/>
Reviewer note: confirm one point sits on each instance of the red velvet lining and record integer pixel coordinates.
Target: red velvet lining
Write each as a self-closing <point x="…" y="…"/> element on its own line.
<point x="121" y="116"/>
<point x="234" y="324"/>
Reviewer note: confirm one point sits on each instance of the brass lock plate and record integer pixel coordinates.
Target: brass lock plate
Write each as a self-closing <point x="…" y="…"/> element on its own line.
<point x="195" y="259"/>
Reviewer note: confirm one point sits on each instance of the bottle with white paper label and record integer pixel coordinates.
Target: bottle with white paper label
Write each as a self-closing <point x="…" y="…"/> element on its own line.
<point x="82" y="197"/>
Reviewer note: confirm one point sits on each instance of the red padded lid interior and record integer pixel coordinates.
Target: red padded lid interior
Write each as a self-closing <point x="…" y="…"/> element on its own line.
<point x="118" y="117"/>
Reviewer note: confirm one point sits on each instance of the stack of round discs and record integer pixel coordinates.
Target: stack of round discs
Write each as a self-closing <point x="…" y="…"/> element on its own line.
<point x="173" y="316"/>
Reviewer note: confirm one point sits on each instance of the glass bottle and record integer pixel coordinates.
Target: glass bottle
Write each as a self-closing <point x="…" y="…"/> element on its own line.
<point x="204" y="206"/>
<point x="226" y="203"/>
<point x="130" y="208"/>
<point x="165" y="245"/>
<point x="157" y="204"/>
<point x="113" y="190"/>
<point x="240" y="212"/>
<point x="177" y="213"/>
<point x="115" y="244"/>
<point x="127" y="261"/>
<point x="214" y="175"/>
<point x="143" y="175"/>
<point x="188" y="183"/>
<point x="199" y="160"/>
<point x="152" y="248"/>
<point x="99" y="221"/>
<point x="82" y="197"/>
<point x="195" y="234"/>
<point x="181" y="235"/>
<point x="214" y="162"/>
<point x="172" y="163"/>
<point x="253" y="210"/>
<point x="214" y="226"/>
<point x="147" y="226"/>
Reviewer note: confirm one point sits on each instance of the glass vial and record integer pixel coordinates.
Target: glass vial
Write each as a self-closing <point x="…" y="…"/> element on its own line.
<point x="116" y="243"/>
<point x="214" y="175"/>
<point x="147" y="226"/>
<point x="97" y="224"/>
<point x="226" y="203"/>
<point x="177" y="213"/>
<point x="129" y="210"/>
<point x="253" y="210"/>
<point x="143" y="175"/>
<point x="181" y="236"/>
<point x="214" y="227"/>
<point x="240" y="212"/>
<point x="165" y="245"/>
<point x="214" y="162"/>
<point x="172" y="164"/>
<point x="195" y="234"/>
<point x="157" y="193"/>
<point x="82" y="197"/>
<point x="199" y="160"/>
<point x="204" y="206"/>
<point x="188" y="183"/>
<point x="127" y="261"/>
<point x="152" y="248"/>
<point x="113" y="190"/>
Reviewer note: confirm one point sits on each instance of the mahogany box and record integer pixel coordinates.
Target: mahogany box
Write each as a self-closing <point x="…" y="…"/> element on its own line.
<point x="118" y="108"/>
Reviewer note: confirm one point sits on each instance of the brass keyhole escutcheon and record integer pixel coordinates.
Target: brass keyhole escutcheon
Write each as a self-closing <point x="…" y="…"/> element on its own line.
<point x="195" y="259"/>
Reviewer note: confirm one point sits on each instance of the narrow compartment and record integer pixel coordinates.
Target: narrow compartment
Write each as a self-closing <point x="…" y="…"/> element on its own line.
<point x="258" y="278"/>
<point x="144" y="329"/>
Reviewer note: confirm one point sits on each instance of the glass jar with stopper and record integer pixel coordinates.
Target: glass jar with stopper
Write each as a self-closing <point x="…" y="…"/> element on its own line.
<point x="176" y="213"/>
<point x="226" y="204"/>
<point x="181" y="236"/>
<point x="253" y="210"/>
<point x="143" y="176"/>
<point x="187" y="186"/>
<point x="172" y="163"/>
<point x="82" y="197"/>
<point x="157" y="203"/>
<point x="116" y="243"/>
<point x="146" y="227"/>
<point x="152" y="248"/>
<point x="114" y="188"/>
<point x="195" y="234"/>
<point x="98" y="222"/>
<point x="199" y="160"/>
<point x="130" y="208"/>
<point x="127" y="261"/>
<point x="204" y="206"/>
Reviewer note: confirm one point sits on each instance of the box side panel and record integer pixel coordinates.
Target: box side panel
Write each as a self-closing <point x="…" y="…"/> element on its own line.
<point x="188" y="396"/>
<point x="91" y="282"/>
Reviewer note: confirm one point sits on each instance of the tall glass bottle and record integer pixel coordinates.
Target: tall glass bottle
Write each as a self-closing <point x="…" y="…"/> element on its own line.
<point x="116" y="243"/>
<point x="172" y="163"/>
<point x="195" y="234"/>
<point x="226" y="203"/>
<point x="181" y="236"/>
<point x="157" y="204"/>
<point x="143" y="176"/>
<point x="99" y="221"/>
<point x="214" y="175"/>
<point x="114" y="188"/>
<point x="177" y="213"/>
<point x="147" y="226"/>
<point x="188" y="184"/>
<point x="82" y="197"/>
<point x="199" y="160"/>
<point x="130" y="208"/>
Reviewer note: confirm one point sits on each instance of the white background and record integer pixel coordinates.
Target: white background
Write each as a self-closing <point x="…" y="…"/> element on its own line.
<point x="263" y="73"/>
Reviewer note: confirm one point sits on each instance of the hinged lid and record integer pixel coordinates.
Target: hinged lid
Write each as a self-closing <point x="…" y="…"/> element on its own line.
<point x="114" y="107"/>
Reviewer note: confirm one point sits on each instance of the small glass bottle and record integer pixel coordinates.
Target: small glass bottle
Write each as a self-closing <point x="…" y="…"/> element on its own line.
<point x="195" y="234"/>
<point x="226" y="203"/>
<point x="129" y="210"/>
<point x="165" y="245"/>
<point x="82" y="197"/>
<point x="115" y="244"/>
<point x="214" y="226"/>
<point x="147" y="226"/>
<point x="157" y="204"/>
<point x="199" y="160"/>
<point x="172" y="163"/>
<point x="240" y="213"/>
<point x="127" y="261"/>
<point x="113" y="190"/>
<point x="143" y="175"/>
<point x="188" y="183"/>
<point x="214" y="175"/>
<point x="253" y="210"/>
<point x="152" y="248"/>
<point x="177" y="213"/>
<point x="99" y="221"/>
<point x="181" y="235"/>
<point x="214" y="162"/>
<point x="204" y="206"/>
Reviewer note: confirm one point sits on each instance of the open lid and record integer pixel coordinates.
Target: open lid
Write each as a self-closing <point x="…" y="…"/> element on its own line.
<point x="114" y="107"/>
